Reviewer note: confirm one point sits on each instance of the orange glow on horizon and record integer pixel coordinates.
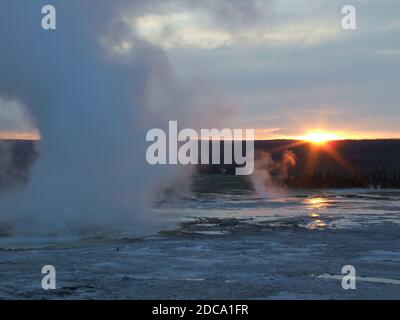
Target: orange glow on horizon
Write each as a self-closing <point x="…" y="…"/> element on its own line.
<point x="319" y="137"/>
<point x="15" y="135"/>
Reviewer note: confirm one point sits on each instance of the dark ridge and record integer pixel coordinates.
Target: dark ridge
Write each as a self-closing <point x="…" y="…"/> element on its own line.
<point x="357" y="163"/>
<point x="354" y="163"/>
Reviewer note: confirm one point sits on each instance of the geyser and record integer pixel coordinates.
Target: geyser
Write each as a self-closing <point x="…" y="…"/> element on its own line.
<point x="87" y="106"/>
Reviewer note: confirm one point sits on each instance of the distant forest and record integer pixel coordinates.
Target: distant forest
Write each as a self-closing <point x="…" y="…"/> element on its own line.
<point x="339" y="164"/>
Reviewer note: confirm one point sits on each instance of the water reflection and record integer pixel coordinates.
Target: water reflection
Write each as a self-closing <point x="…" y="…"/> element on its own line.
<point x="316" y="224"/>
<point x="313" y="215"/>
<point x="315" y="205"/>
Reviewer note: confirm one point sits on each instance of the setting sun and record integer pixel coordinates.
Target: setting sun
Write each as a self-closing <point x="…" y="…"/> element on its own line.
<point x="319" y="137"/>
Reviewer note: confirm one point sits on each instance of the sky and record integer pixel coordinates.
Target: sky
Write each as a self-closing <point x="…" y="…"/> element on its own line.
<point x="282" y="67"/>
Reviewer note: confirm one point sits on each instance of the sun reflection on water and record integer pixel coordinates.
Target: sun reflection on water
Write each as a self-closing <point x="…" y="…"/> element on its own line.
<point x="314" y="215"/>
<point x="316" y="204"/>
<point x="316" y="224"/>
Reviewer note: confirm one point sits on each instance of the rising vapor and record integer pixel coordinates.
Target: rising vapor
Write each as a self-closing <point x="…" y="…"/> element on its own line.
<point x="92" y="105"/>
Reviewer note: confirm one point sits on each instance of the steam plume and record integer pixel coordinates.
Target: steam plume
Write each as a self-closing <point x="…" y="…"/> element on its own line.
<point x="268" y="174"/>
<point x="90" y="103"/>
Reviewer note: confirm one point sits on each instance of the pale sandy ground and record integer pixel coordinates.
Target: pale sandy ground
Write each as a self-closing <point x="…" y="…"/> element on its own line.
<point x="250" y="262"/>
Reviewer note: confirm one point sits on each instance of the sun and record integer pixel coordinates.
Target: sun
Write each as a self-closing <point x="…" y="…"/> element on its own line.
<point x="319" y="137"/>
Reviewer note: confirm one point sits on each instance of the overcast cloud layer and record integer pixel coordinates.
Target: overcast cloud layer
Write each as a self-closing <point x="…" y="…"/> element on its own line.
<point x="281" y="66"/>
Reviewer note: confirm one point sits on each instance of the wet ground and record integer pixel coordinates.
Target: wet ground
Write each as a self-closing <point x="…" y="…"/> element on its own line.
<point x="227" y="244"/>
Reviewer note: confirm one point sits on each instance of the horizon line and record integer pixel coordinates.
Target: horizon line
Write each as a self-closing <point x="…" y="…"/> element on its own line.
<point x="257" y="139"/>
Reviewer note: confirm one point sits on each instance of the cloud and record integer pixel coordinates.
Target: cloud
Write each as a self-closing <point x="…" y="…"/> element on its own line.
<point x="224" y="24"/>
<point x="270" y="58"/>
<point x="180" y="31"/>
<point x="280" y="59"/>
<point x="188" y="30"/>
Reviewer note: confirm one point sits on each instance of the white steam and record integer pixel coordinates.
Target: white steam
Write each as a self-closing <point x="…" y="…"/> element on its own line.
<point x="268" y="173"/>
<point x="92" y="110"/>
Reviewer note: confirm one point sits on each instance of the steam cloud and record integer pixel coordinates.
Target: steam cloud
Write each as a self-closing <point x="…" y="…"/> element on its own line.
<point x="92" y="105"/>
<point x="268" y="173"/>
